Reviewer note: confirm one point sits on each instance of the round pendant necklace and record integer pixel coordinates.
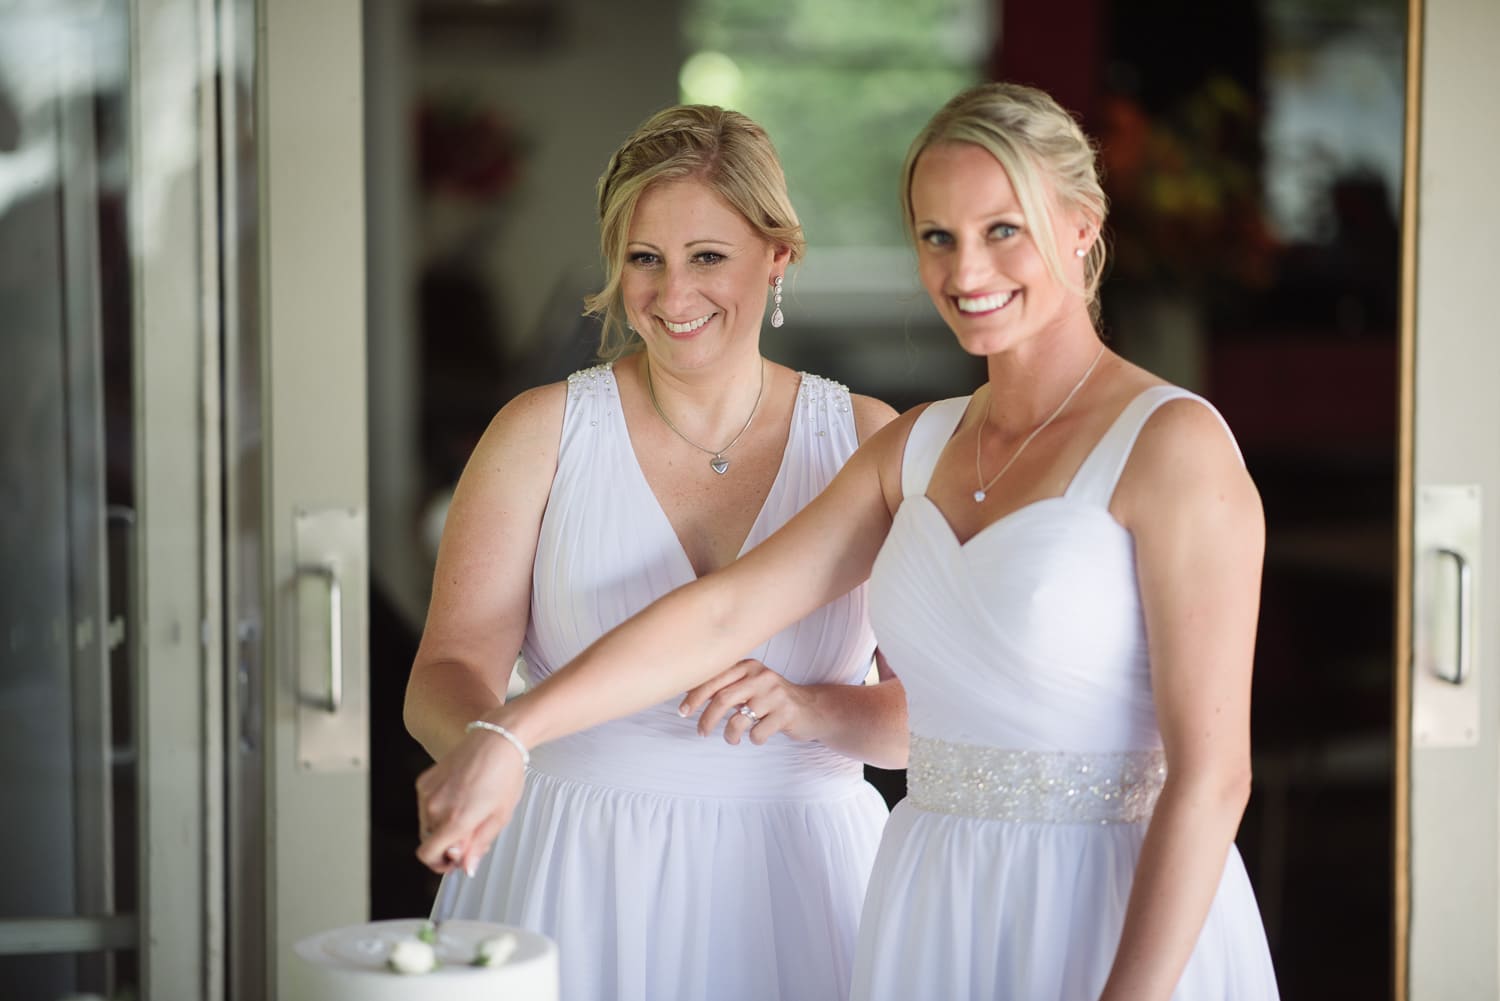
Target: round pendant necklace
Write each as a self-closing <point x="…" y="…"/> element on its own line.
<point x="716" y="461"/>
<point x="984" y="487"/>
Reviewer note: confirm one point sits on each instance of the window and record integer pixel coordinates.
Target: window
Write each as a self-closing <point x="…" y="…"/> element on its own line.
<point x="842" y="86"/>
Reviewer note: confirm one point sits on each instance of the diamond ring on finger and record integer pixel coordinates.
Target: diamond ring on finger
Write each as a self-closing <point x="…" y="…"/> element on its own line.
<point x="750" y="714"/>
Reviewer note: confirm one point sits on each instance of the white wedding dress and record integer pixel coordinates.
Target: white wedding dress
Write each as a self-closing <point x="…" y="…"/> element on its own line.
<point x="1035" y="757"/>
<point x="668" y="865"/>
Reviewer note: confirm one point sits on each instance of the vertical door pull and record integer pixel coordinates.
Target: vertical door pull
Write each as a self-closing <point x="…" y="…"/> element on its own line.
<point x="332" y="699"/>
<point x="330" y="573"/>
<point x="1465" y="610"/>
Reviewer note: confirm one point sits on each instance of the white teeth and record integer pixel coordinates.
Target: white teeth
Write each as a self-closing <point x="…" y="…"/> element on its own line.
<point x="687" y="328"/>
<point x="984" y="303"/>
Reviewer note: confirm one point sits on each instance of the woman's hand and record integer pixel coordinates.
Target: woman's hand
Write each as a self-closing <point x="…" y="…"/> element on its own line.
<point x="465" y="800"/>
<point x="778" y="705"/>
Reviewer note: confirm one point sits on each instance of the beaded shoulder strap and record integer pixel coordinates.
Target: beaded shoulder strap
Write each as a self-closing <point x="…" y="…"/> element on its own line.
<point x="588" y="388"/>
<point x="824" y="409"/>
<point x="592" y="380"/>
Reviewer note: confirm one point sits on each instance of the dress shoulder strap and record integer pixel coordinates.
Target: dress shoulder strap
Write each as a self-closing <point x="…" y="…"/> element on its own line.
<point x="589" y="389"/>
<point x="1096" y="479"/>
<point x="593" y="406"/>
<point x="824" y="413"/>
<point x="924" y="443"/>
<point x="592" y="381"/>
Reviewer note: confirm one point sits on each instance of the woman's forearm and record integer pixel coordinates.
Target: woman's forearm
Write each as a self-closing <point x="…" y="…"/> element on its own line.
<point x="865" y="722"/>
<point x="699" y="630"/>
<point x="1179" y="871"/>
<point x="442" y="697"/>
<point x="677" y="642"/>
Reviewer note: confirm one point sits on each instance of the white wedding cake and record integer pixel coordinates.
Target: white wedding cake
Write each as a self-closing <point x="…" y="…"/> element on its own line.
<point x="355" y="964"/>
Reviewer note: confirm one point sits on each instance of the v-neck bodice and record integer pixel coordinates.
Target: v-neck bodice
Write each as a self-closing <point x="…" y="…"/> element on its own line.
<point x="771" y="507"/>
<point x="607" y="549"/>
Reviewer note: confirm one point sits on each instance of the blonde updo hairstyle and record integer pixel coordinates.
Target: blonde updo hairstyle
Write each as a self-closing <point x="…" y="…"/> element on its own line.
<point x="723" y="149"/>
<point x="1042" y="149"/>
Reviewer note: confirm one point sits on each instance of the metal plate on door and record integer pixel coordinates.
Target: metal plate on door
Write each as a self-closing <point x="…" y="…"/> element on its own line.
<point x="329" y="670"/>
<point x="1446" y="582"/>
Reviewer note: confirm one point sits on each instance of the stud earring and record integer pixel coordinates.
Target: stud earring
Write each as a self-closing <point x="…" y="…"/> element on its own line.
<point x="777" y="317"/>
<point x="1080" y="252"/>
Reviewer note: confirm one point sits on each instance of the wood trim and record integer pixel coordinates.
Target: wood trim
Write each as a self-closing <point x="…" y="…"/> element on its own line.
<point x="1405" y="494"/>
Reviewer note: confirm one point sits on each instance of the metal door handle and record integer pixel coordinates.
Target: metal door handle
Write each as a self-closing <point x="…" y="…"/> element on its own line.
<point x="330" y="573"/>
<point x="1465" y="609"/>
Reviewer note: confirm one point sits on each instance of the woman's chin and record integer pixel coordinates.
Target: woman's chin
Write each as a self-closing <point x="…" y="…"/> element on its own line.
<point x="982" y="343"/>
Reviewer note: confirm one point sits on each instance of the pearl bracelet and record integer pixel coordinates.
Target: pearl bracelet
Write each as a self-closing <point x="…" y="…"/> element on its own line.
<point x="484" y="724"/>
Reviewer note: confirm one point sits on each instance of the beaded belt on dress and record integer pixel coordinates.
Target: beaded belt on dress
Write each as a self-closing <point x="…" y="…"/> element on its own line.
<point x="1059" y="787"/>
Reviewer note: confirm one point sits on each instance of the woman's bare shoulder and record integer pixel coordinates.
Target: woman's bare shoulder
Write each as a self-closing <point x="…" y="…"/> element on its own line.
<point x="870" y="415"/>
<point x="1185" y="455"/>
<point x="532" y="414"/>
<point x="522" y="437"/>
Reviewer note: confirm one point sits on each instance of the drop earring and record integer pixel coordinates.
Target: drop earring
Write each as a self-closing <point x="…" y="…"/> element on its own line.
<point x="777" y="317"/>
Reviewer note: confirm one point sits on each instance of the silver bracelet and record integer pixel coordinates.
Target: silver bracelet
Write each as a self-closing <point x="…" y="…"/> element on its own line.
<point x="484" y="724"/>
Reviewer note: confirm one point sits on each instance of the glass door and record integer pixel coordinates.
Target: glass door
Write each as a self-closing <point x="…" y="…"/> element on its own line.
<point x="69" y="760"/>
<point x="183" y="716"/>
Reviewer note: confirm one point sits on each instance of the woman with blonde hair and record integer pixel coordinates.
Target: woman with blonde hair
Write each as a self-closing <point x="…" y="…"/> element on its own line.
<point x="1064" y="571"/>
<point x="665" y="865"/>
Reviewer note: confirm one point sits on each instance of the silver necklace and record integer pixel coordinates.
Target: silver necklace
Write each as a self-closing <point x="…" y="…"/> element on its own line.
<point x="984" y="487"/>
<point x="716" y="462"/>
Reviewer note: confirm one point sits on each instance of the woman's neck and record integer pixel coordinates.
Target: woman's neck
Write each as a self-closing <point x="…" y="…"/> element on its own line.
<point x="1027" y="383"/>
<point x="709" y="404"/>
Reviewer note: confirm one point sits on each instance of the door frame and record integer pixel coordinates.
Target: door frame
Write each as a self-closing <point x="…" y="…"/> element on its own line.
<point x="174" y="264"/>
<point x="312" y="260"/>
<point x="1405" y="491"/>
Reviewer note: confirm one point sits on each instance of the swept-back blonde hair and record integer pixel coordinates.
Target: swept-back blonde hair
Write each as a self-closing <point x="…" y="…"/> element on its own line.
<point x="1042" y="150"/>
<point x="723" y="149"/>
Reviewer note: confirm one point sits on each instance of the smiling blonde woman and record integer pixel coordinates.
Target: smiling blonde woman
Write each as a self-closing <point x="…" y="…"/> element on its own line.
<point x="668" y="861"/>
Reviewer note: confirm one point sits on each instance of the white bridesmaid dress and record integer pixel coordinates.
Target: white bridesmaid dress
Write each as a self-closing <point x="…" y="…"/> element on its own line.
<point x="668" y="865"/>
<point x="1035" y="757"/>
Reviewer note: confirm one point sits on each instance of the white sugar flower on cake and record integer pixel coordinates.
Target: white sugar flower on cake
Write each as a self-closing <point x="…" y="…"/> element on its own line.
<point x="495" y="951"/>
<point x="412" y="955"/>
<point x="418" y="953"/>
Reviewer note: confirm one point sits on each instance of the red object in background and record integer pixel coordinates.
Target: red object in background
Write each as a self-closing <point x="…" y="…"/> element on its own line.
<point x="1306" y="394"/>
<point x="467" y="150"/>
<point x="1057" y="46"/>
